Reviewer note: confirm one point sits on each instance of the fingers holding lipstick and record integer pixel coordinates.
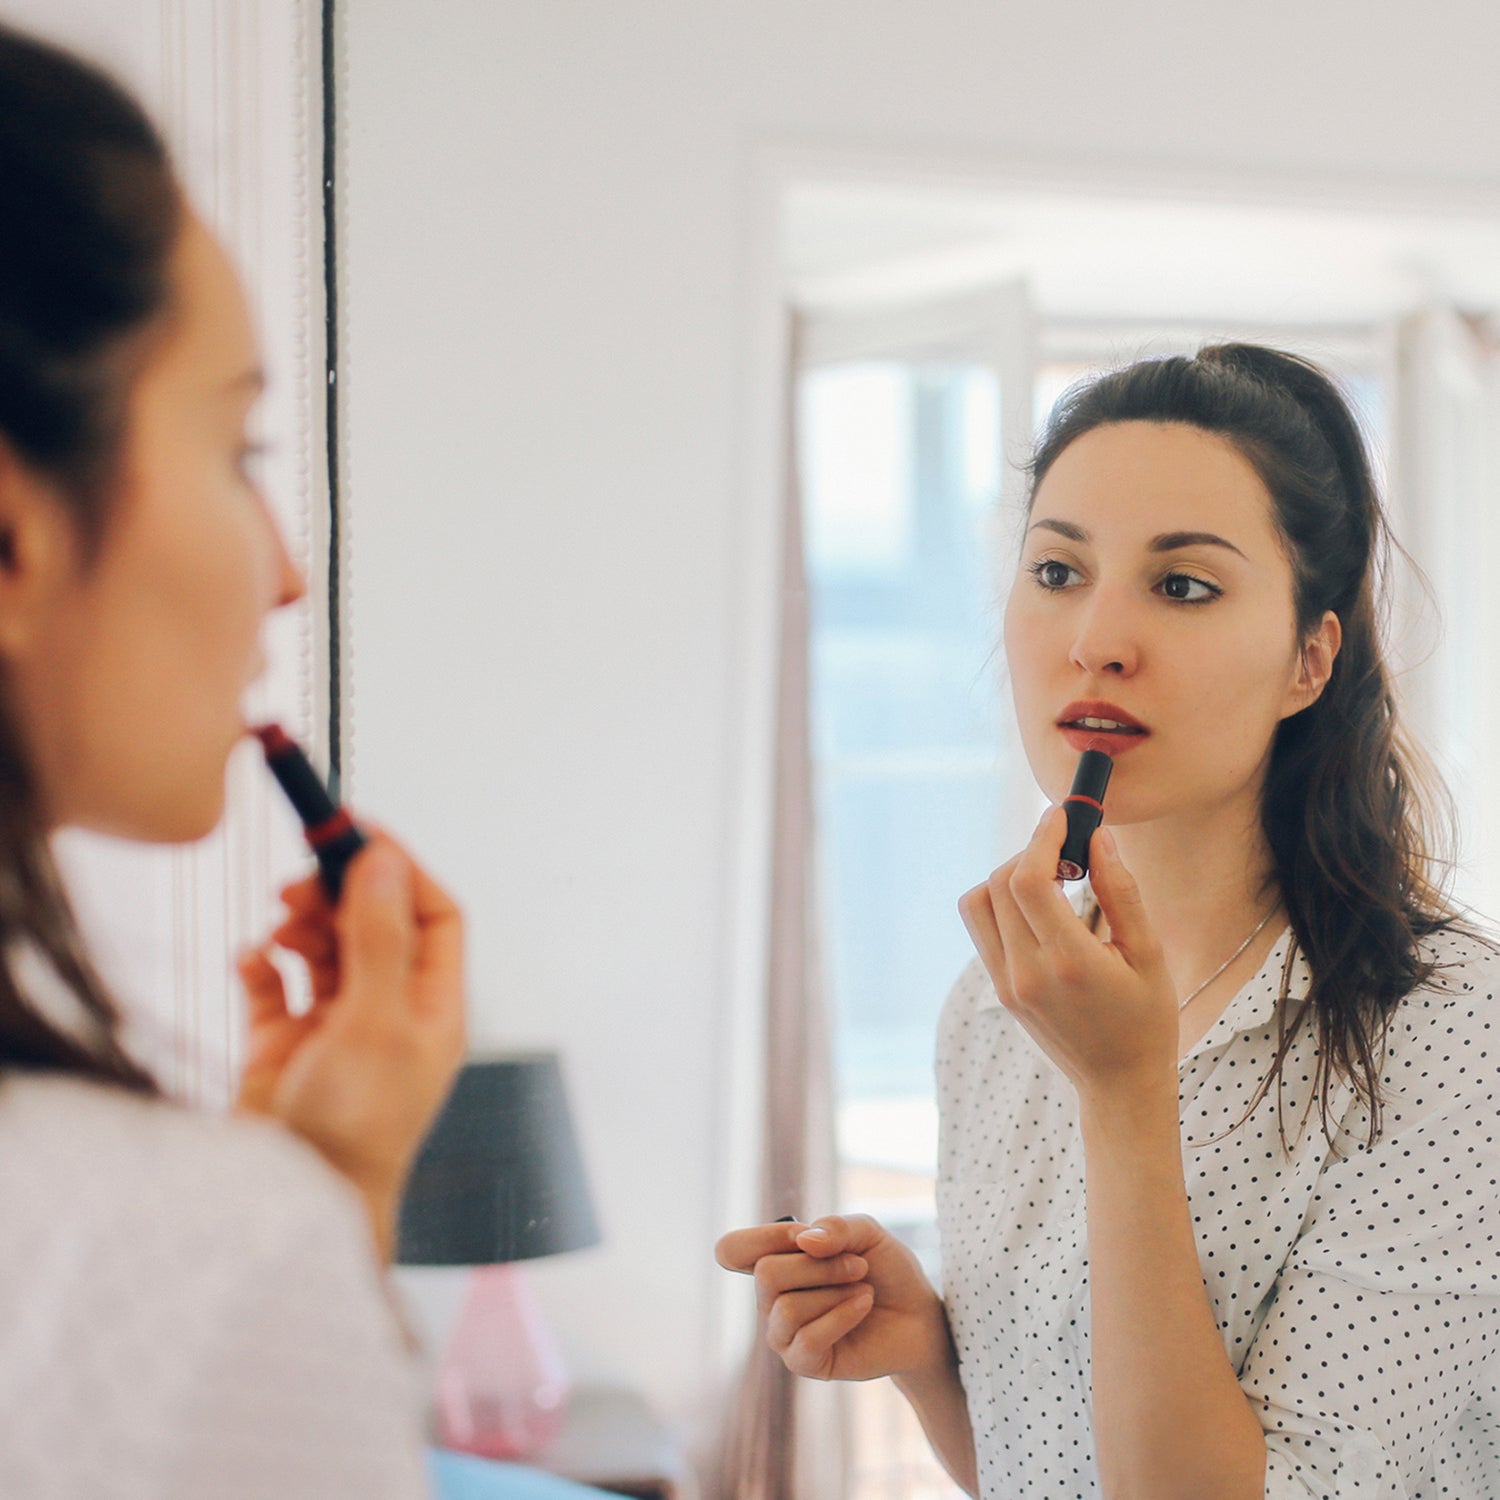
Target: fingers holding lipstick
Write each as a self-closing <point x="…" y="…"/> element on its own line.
<point x="314" y="927"/>
<point x="1034" y="912"/>
<point x="308" y="931"/>
<point x="977" y="909"/>
<point x="274" y="1033"/>
<point x="1020" y="911"/>
<point x="1119" y="898"/>
<point x="314" y="943"/>
<point x="307" y="898"/>
<point x="1102" y="1011"/>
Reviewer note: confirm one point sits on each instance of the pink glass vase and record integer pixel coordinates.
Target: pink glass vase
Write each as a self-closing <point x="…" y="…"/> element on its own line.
<point x="501" y="1390"/>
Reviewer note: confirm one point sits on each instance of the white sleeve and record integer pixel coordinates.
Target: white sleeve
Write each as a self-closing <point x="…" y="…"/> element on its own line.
<point x="302" y="1390"/>
<point x="189" y="1308"/>
<point x="1386" y="1317"/>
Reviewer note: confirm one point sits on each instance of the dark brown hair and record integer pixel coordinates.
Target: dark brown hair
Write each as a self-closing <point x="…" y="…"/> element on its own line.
<point x="1358" y="825"/>
<point x="89" y="214"/>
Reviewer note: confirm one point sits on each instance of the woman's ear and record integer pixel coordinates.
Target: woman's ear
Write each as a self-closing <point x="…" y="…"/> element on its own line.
<point x="1314" y="664"/>
<point x="36" y="550"/>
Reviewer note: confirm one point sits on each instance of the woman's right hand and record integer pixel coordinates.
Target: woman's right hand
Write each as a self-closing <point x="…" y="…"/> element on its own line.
<point x="362" y="1074"/>
<point x="843" y="1299"/>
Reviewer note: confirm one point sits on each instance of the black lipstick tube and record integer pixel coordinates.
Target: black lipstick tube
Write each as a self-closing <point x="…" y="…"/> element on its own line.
<point x="332" y="834"/>
<point x="1084" y="806"/>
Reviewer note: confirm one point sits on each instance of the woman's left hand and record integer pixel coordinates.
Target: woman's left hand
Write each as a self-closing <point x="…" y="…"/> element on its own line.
<point x="1104" y="1012"/>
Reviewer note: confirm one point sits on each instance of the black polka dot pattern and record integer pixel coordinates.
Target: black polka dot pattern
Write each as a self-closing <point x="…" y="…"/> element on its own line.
<point x="1357" y="1290"/>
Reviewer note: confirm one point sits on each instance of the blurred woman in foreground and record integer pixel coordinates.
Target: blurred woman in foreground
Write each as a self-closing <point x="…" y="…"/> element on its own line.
<point x="188" y="1306"/>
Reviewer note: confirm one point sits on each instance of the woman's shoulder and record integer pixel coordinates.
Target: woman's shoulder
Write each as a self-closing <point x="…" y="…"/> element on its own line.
<point x="173" y="1227"/>
<point x="971" y="992"/>
<point x="1447" y="1029"/>
<point x="200" y="1286"/>
<point x="1464" y="969"/>
<point x="85" y="1154"/>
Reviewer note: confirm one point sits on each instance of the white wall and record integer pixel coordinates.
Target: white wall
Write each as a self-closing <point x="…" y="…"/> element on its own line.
<point x="555" y="374"/>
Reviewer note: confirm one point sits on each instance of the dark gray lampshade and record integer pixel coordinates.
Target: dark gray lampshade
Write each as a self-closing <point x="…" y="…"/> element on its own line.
<point x="499" y="1177"/>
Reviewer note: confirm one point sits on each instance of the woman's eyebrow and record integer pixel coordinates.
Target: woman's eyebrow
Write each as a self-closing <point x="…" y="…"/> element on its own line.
<point x="1170" y="541"/>
<point x="1062" y="528"/>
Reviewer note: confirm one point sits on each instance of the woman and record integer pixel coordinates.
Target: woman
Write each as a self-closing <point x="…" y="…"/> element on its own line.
<point x="1219" y="1169"/>
<point x="188" y="1306"/>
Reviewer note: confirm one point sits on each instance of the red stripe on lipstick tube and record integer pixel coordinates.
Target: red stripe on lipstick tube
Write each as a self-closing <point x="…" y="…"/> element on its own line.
<point x="334" y="836"/>
<point x="330" y="829"/>
<point x="1088" y="801"/>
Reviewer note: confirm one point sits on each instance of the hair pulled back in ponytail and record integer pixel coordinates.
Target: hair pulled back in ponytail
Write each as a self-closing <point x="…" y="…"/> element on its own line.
<point x="1355" y="821"/>
<point x="89" y="215"/>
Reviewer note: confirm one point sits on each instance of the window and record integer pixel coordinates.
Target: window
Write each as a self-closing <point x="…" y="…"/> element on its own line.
<point x="900" y="470"/>
<point x="901" y="479"/>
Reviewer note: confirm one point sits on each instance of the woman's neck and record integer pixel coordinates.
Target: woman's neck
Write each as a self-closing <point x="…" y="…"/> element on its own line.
<point x="1205" y="881"/>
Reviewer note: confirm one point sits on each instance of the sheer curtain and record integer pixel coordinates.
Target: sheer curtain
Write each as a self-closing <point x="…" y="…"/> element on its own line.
<point x="786" y="1438"/>
<point x="1445" y="503"/>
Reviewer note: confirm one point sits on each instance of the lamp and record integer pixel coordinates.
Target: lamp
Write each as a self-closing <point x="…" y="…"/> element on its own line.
<point x="499" y="1180"/>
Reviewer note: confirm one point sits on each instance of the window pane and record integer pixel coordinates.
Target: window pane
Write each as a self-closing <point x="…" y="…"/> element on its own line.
<point x="856" y="455"/>
<point x="901" y="475"/>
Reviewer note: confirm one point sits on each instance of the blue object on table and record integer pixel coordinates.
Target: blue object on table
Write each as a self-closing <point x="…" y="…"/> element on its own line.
<point x="460" y="1476"/>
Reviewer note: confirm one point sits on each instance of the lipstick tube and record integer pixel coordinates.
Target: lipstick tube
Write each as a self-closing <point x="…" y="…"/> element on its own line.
<point x="332" y="834"/>
<point x="1084" y="806"/>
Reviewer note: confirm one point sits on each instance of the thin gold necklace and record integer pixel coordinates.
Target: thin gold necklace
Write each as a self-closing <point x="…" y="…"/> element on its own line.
<point x="1255" y="932"/>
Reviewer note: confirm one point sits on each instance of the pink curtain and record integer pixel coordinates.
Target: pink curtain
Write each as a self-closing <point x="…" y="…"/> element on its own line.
<point x="785" y="1438"/>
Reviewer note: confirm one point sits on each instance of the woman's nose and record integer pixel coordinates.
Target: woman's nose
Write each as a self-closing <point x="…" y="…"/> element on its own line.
<point x="291" y="582"/>
<point x="1104" y="644"/>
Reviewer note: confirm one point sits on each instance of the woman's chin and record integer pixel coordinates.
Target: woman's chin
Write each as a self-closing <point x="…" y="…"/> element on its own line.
<point x="189" y="819"/>
<point x="182" y="819"/>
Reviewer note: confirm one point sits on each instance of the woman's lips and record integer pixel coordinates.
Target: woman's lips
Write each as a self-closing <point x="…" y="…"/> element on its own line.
<point x="1111" y="735"/>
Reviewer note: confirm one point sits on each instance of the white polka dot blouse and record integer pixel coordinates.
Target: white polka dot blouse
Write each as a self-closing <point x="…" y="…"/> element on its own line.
<point x="1357" y="1290"/>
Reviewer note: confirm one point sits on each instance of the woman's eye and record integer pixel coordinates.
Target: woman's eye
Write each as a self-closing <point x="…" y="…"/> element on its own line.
<point x="1052" y="574"/>
<point x="1187" y="589"/>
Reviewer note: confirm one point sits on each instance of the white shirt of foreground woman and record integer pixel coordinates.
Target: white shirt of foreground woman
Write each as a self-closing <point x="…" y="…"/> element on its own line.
<point x="1357" y="1290"/>
<point x="190" y="1309"/>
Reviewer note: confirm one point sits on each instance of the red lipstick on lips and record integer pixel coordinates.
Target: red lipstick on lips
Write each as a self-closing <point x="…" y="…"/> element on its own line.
<point x="1096" y="724"/>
